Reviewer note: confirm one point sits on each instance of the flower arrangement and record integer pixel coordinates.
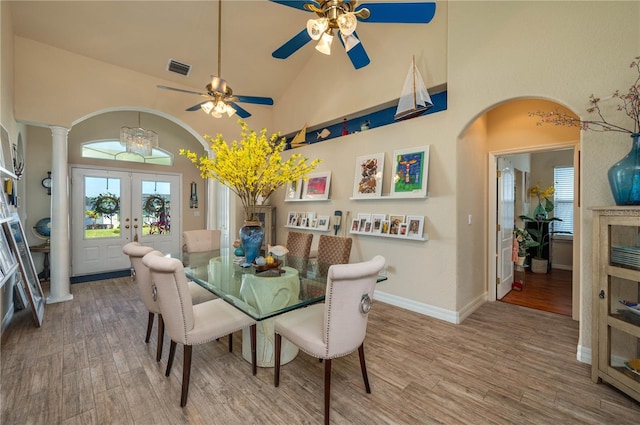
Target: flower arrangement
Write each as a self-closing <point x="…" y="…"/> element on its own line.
<point x="525" y="241"/>
<point x="629" y="104"/>
<point x="252" y="167"/>
<point x="545" y="205"/>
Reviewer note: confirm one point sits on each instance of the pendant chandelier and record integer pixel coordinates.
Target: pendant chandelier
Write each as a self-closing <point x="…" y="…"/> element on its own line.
<point x="138" y="140"/>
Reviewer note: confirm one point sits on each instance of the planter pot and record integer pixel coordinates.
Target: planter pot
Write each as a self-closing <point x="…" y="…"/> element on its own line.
<point x="624" y="176"/>
<point x="251" y="236"/>
<point x="520" y="261"/>
<point x="539" y="265"/>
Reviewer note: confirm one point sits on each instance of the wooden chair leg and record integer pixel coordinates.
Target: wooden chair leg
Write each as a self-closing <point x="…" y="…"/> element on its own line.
<point x="172" y="353"/>
<point x="149" y="327"/>
<point x="254" y="354"/>
<point x="276" y="360"/>
<point x="160" y="337"/>
<point x="327" y="390"/>
<point x="186" y="374"/>
<point x="230" y="343"/>
<point x="363" y="366"/>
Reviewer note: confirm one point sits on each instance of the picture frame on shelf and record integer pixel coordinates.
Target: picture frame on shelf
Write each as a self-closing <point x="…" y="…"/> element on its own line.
<point x="367" y="227"/>
<point x="402" y="230"/>
<point x="367" y="182"/>
<point x="291" y="218"/>
<point x="415" y="226"/>
<point x="410" y="172"/>
<point x="355" y="225"/>
<point x="293" y="190"/>
<point x="394" y="223"/>
<point x="323" y="222"/>
<point x="317" y="186"/>
<point x="384" y="227"/>
<point x="376" y="220"/>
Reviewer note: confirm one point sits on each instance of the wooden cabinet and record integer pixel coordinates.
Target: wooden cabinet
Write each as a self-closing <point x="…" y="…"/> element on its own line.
<point x="616" y="326"/>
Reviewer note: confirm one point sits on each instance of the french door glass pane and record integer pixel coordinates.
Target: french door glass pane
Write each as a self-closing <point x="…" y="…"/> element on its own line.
<point x="156" y="208"/>
<point x="102" y="207"/>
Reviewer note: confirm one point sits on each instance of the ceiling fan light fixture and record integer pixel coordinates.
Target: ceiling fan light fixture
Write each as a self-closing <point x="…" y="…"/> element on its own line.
<point x="316" y="27"/>
<point x="347" y="23"/>
<point x="350" y="41"/>
<point x="207" y="107"/>
<point x="324" y="45"/>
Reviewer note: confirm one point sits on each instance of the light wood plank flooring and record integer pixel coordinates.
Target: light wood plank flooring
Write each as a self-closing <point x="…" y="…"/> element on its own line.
<point x="505" y="364"/>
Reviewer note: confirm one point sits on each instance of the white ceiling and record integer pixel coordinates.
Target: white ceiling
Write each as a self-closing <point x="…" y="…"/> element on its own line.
<point x="144" y="35"/>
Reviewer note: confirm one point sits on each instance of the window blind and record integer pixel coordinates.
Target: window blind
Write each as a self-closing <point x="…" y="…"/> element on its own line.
<point x="563" y="199"/>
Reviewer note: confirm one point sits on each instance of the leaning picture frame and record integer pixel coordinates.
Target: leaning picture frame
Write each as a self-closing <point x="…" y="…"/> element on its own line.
<point x="15" y="235"/>
<point x="415" y="226"/>
<point x="317" y="186"/>
<point x="293" y="190"/>
<point x="323" y="222"/>
<point x="367" y="182"/>
<point x="410" y="172"/>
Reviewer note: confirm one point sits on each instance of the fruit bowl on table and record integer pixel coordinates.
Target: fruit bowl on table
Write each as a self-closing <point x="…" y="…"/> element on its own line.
<point x="272" y="266"/>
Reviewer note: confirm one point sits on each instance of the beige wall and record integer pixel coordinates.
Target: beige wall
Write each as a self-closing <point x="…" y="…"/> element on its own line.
<point x="487" y="52"/>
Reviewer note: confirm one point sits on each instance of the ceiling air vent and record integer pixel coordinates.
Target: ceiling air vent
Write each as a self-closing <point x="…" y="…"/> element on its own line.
<point x="178" y="67"/>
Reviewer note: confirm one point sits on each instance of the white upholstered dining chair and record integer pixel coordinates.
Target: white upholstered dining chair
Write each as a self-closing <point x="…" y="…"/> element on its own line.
<point x="141" y="274"/>
<point x="336" y="327"/>
<point x="201" y="240"/>
<point x="190" y="324"/>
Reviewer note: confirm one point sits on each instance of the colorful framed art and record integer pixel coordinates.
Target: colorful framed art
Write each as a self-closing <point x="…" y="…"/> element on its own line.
<point x="410" y="172"/>
<point x="367" y="182"/>
<point x="317" y="186"/>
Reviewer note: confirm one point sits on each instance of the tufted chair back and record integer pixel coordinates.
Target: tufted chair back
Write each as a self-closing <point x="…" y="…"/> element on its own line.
<point x="135" y="251"/>
<point x="201" y="240"/>
<point x="174" y="296"/>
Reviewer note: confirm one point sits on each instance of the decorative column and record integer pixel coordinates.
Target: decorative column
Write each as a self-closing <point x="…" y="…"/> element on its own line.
<point x="60" y="254"/>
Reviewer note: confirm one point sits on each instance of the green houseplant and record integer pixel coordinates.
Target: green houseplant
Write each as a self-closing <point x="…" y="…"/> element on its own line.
<point x="525" y="241"/>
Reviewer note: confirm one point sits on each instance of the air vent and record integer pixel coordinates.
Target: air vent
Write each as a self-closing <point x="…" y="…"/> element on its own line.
<point x="178" y="67"/>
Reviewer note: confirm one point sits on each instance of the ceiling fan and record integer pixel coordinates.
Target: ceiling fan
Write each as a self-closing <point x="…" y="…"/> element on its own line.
<point x="220" y="97"/>
<point x="342" y="15"/>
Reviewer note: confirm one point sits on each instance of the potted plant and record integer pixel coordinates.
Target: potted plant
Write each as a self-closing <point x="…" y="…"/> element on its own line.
<point x="539" y="264"/>
<point x="253" y="169"/>
<point x="525" y="241"/>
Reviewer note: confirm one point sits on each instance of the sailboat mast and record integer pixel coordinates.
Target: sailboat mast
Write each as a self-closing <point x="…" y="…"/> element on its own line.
<point x="413" y="68"/>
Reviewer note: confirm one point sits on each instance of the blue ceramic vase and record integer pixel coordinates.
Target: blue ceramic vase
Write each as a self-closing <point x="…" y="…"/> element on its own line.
<point x="251" y="237"/>
<point x="624" y="176"/>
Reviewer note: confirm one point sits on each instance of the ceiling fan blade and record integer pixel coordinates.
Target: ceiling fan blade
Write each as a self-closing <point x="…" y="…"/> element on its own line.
<point x="242" y="113"/>
<point x="357" y="54"/>
<point x="400" y="13"/>
<point x="253" y="99"/>
<point x="296" y="4"/>
<point x="292" y="46"/>
<point x="196" y="107"/>
<point x="181" y="90"/>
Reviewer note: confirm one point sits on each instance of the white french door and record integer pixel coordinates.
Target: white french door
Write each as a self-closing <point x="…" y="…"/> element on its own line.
<point x="110" y="208"/>
<point x="506" y="205"/>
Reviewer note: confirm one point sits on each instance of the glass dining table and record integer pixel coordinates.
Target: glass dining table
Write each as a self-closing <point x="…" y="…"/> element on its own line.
<point x="261" y="294"/>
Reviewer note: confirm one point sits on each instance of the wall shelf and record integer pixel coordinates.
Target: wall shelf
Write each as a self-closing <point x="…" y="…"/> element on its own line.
<point x="307" y="200"/>
<point x="307" y="228"/>
<point x="386" y="197"/>
<point x="424" y="238"/>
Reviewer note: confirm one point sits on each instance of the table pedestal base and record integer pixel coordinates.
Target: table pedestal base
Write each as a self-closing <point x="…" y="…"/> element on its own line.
<point x="265" y="354"/>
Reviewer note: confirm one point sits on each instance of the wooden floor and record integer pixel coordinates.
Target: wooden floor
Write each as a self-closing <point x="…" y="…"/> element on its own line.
<point x="546" y="292"/>
<point x="504" y="364"/>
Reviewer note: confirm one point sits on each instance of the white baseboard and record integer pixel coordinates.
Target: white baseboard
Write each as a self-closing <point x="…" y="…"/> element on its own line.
<point x="562" y="266"/>
<point x="584" y="354"/>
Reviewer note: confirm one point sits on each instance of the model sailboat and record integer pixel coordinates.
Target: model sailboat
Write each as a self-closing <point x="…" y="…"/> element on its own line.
<point x="414" y="99"/>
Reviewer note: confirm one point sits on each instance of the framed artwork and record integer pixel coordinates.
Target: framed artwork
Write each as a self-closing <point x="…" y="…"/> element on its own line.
<point x="291" y="218"/>
<point x="14" y="233"/>
<point x="410" y="171"/>
<point x="394" y="223"/>
<point x="415" y="226"/>
<point x="317" y="187"/>
<point x="384" y="227"/>
<point x="7" y="260"/>
<point x="376" y="221"/>
<point x="368" y="179"/>
<point x="323" y="222"/>
<point x="292" y="190"/>
<point x="402" y="230"/>
<point x="355" y="225"/>
<point x="367" y="227"/>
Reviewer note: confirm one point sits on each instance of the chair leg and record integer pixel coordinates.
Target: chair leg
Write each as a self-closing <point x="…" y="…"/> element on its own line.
<point x="149" y="327"/>
<point x="276" y="360"/>
<point x="327" y="389"/>
<point x="363" y="366"/>
<point x="186" y="374"/>
<point x="254" y="355"/>
<point x="160" y="337"/>
<point x="172" y="354"/>
<point x="230" y="343"/>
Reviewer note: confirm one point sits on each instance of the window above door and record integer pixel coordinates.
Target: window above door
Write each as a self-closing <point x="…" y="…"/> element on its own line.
<point x="114" y="151"/>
